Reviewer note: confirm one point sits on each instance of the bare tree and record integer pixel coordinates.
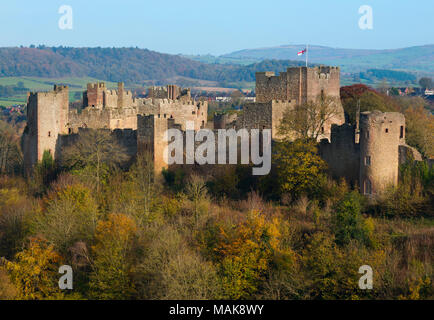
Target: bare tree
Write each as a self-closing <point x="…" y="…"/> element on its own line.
<point x="308" y="119"/>
<point x="95" y="149"/>
<point x="142" y="174"/>
<point x="10" y="153"/>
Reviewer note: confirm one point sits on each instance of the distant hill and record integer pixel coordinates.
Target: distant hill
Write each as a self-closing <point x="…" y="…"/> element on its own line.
<point x="419" y="58"/>
<point x="136" y="66"/>
<point x="131" y="65"/>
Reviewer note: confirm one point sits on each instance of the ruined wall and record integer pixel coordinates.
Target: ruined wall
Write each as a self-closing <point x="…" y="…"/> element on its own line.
<point x="380" y="137"/>
<point x="342" y="154"/>
<point x="47" y="116"/>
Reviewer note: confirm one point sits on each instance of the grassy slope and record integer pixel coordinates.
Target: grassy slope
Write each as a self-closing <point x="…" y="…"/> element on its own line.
<point x="46" y="84"/>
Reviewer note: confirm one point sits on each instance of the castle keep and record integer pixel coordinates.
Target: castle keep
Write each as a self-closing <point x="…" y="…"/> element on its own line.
<point x="366" y="154"/>
<point x="296" y="86"/>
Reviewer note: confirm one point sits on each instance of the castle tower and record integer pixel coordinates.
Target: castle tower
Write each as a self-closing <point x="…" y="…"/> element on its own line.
<point x="94" y="96"/>
<point x="47" y="118"/>
<point x="151" y="131"/>
<point x="300" y="85"/>
<point x="380" y="137"/>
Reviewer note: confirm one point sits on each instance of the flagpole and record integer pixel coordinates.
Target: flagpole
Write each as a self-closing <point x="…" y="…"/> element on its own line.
<point x="307" y="53"/>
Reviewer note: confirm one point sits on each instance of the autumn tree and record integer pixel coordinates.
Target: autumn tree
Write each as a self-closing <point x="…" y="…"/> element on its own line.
<point x="70" y="215"/>
<point x="365" y="98"/>
<point x="171" y="269"/>
<point x="298" y="167"/>
<point x="15" y="208"/>
<point x="34" y="271"/>
<point x="420" y="129"/>
<point x="113" y="258"/>
<point x="246" y="251"/>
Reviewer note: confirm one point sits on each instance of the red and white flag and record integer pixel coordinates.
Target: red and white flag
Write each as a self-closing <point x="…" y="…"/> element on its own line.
<point x="302" y="52"/>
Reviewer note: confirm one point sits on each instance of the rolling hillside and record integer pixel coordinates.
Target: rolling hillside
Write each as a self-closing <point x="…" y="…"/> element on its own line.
<point x="39" y="68"/>
<point x="131" y="65"/>
<point x="420" y="58"/>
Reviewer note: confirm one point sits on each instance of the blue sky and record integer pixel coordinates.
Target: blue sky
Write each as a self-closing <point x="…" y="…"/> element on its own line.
<point x="217" y="27"/>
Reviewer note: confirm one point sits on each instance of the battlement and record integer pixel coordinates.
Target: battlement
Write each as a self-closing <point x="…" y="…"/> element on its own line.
<point x="377" y="117"/>
<point x="97" y="85"/>
<point x="59" y="88"/>
<point x="265" y="74"/>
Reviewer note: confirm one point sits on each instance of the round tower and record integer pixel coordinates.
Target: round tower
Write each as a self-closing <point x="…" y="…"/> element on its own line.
<point x="380" y="137"/>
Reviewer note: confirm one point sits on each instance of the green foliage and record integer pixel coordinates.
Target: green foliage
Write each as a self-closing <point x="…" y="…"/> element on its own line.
<point x="414" y="193"/>
<point x="348" y="223"/>
<point x="44" y="172"/>
<point x="391" y="75"/>
<point x="175" y="179"/>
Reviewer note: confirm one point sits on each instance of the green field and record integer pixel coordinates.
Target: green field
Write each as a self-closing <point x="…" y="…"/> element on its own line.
<point x="46" y="84"/>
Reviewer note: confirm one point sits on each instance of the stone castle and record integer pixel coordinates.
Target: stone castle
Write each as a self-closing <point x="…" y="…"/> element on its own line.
<point x="366" y="154"/>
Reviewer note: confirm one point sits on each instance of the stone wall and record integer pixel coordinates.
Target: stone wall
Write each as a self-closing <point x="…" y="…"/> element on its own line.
<point x="178" y="110"/>
<point x="342" y="154"/>
<point x="224" y="120"/>
<point x="264" y="115"/>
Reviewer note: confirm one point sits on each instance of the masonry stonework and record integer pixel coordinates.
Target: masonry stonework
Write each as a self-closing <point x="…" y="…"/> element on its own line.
<point x="367" y="154"/>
